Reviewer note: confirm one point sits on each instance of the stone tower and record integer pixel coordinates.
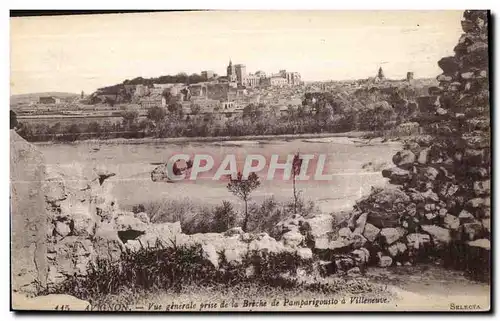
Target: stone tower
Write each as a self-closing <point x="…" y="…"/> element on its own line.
<point x="231" y="71"/>
<point x="409" y="76"/>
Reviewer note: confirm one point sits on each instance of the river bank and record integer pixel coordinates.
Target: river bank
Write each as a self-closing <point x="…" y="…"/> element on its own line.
<point x="173" y="140"/>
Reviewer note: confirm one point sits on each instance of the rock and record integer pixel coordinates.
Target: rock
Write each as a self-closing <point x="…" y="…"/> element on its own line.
<point x="62" y="229"/>
<point x="396" y="249"/>
<point x="472" y="230"/>
<point x="482" y="188"/>
<point x="360" y="224"/>
<point x="391" y="235"/>
<point x="355" y="271"/>
<point x="344" y="263"/>
<point x="451" y="222"/>
<point x="465" y="216"/>
<point x="167" y="234"/>
<point x="385" y="207"/>
<point x="440" y="235"/>
<point x="292" y="239"/>
<point x="126" y="221"/>
<point x="417" y="240"/>
<point x="84" y="223"/>
<point x="250" y="271"/>
<point x="344" y="233"/>
<point x="234" y="256"/>
<point x="478" y="202"/>
<point x="304" y="253"/>
<point x="486" y="224"/>
<point x="107" y="244"/>
<point x="423" y="156"/>
<point x="265" y="243"/>
<point x="362" y="255"/>
<point x="56" y="190"/>
<point x="371" y="232"/>
<point x="397" y="175"/>
<point x="29" y="223"/>
<point x="234" y="231"/>
<point x="357" y="241"/>
<point x="428" y="173"/>
<point x="385" y="261"/>
<point x="48" y="302"/>
<point x="293" y="223"/>
<point x="210" y="253"/>
<point x="318" y="226"/>
<point x="143" y="217"/>
<point x="481" y="243"/>
<point x="404" y="159"/>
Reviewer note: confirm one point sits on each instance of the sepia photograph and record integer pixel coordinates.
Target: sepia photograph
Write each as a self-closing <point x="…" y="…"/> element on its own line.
<point x="247" y="161"/>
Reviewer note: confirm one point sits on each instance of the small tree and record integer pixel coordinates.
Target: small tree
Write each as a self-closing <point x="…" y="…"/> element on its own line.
<point x="296" y="165"/>
<point x="224" y="217"/>
<point x="242" y="188"/>
<point x="156" y="114"/>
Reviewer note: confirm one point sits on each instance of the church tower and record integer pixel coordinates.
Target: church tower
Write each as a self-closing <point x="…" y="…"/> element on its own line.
<point x="231" y="71"/>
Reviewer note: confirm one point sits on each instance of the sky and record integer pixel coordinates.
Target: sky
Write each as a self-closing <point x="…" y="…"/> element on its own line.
<point x="75" y="53"/>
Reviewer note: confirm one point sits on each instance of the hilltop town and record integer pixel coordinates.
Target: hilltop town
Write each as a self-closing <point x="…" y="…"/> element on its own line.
<point x="139" y="105"/>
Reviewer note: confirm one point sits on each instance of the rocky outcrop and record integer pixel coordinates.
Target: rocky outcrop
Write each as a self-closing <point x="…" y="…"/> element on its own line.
<point x="28" y="215"/>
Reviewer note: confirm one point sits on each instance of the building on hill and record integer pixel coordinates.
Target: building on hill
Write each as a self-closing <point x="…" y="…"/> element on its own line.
<point x="47" y="100"/>
<point x="252" y="80"/>
<point x="241" y="74"/>
<point x="409" y="76"/>
<point x="274" y="81"/>
<point x="207" y="74"/>
<point x="231" y="72"/>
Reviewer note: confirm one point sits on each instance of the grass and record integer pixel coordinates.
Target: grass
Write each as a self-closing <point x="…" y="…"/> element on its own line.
<point x="220" y="218"/>
<point x="173" y="271"/>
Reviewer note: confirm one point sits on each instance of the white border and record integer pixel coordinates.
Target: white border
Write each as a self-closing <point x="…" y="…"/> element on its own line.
<point x="192" y="4"/>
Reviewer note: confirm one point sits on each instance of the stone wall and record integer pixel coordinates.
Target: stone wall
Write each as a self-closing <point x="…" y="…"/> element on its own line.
<point x="440" y="203"/>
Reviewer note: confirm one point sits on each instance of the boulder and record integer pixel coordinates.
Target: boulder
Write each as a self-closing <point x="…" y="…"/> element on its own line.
<point x="451" y="222"/>
<point x="362" y="255"/>
<point x="482" y="188"/>
<point x="265" y="243"/>
<point x="360" y="224"/>
<point x="304" y="253"/>
<point x="404" y="159"/>
<point x="84" y="223"/>
<point x="371" y="232"/>
<point x="423" y="156"/>
<point x="417" y="240"/>
<point x="62" y="229"/>
<point x="234" y="231"/>
<point x="397" y="175"/>
<point x="481" y="243"/>
<point x="29" y="223"/>
<point x="396" y="249"/>
<point x="390" y="235"/>
<point x="292" y="238"/>
<point x="440" y="236"/>
<point x="107" y="244"/>
<point x="385" y="261"/>
<point x="318" y="226"/>
<point x="472" y="230"/>
<point x="210" y="253"/>
<point x="486" y="224"/>
<point x="167" y="234"/>
<point x="125" y="221"/>
<point x="292" y="223"/>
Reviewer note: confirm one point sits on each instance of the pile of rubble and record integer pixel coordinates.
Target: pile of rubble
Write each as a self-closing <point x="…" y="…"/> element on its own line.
<point x="441" y="201"/>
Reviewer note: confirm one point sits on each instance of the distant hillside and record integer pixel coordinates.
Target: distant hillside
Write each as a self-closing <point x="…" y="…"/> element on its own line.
<point x="27" y="98"/>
